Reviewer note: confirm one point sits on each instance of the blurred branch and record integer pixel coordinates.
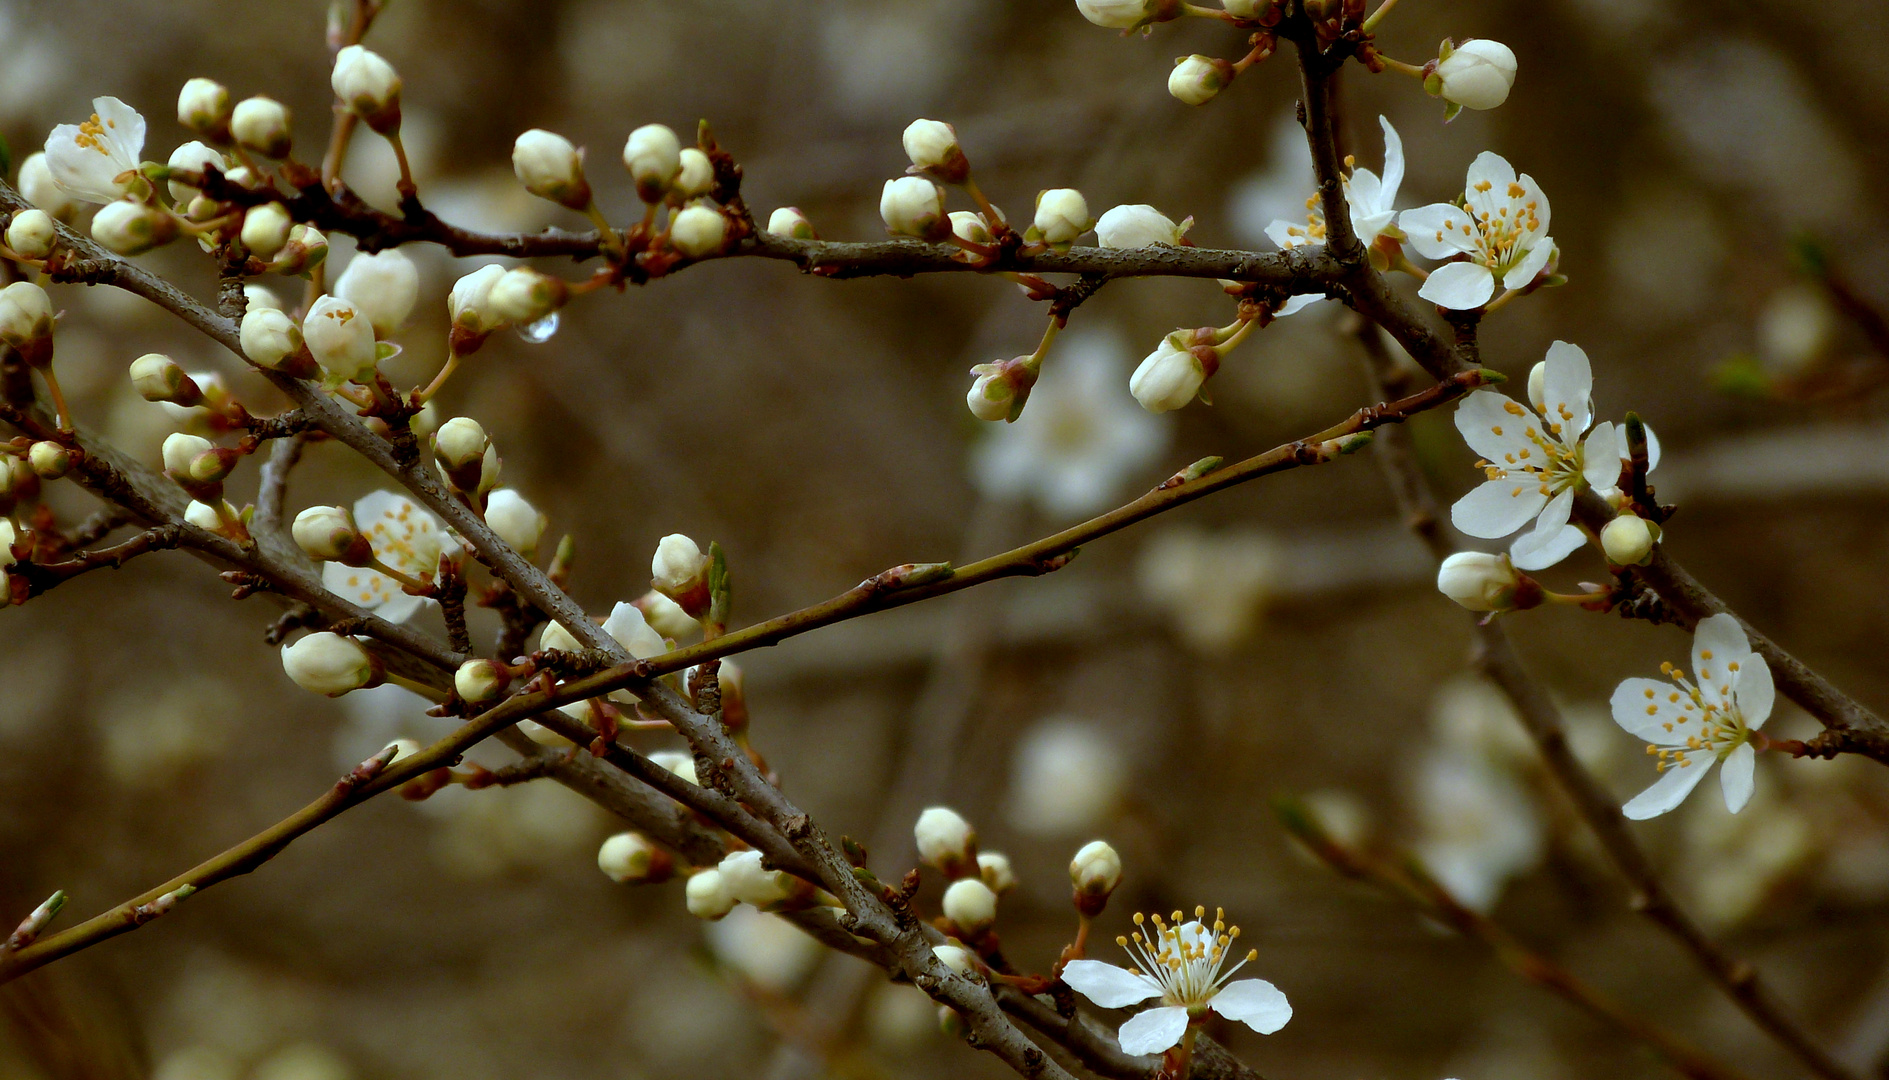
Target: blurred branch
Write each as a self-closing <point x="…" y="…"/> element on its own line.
<point x="273" y="487"/>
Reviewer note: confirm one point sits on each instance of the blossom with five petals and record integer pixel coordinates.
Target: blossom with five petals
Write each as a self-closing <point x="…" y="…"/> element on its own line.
<point x="405" y="537"/>
<point x="1502" y="227"/>
<point x="1370" y="200"/>
<point x="87" y="160"/>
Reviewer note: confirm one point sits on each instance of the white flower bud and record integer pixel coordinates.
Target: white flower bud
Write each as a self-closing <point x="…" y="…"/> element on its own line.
<point x="261" y="125"/>
<point x="39" y="188"/>
<point x="196" y="157"/>
<point x="1538" y="383"/>
<point x="25" y="315"/>
<point x="266" y="229"/>
<point x="971" y="905"/>
<point x="753" y="884"/>
<point x="1479" y="581"/>
<point x="969" y="225"/>
<point x="957" y="958"/>
<point x="1197" y="79"/>
<point x="368" y="85"/>
<point x="653" y="155"/>
<point x="667" y="618"/>
<point x="157" y="377"/>
<point x="203" y="106"/>
<point x="698" y="230"/>
<point x="1137" y="226"/>
<point x="1477" y="74"/>
<point x="933" y="147"/>
<point x="324" y="533"/>
<point x="522" y="296"/>
<point x="269" y="337"/>
<point x="551" y="168"/>
<point x="50" y="460"/>
<point x="996" y="871"/>
<point x="913" y="206"/>
<point x="1062" y="214"/>
<point x="383" y="286"/>
<point x="9" y="535"/>
<point x="460" y="442"/>
<point x="31" y="233"/>
<point x="708" y="896"/>
<point x="1096" y="869"/>
<point x="479" y="681"/>
<point x="1627" y="540"/>
<point x="307" y="248"/>
<point x="204" y="516"/>
<point x="516" y="521"/>
<point x="341" y="339"/>
<point x="789" y="222"/>
<point x="330" y="664"/>
<point x="1124" y="14"/>
<point x="128" y="227"/>
<point x="946" y="841"/>
<point x="1168" y="377"/>
<point x="680" y="762"/>
<point x="696" y="177"/>
<point x="470" y="303"/>
<point x="1001" y="388"/>
<point x="258" y="297"/>
<point x="181" y="449"/>
<point x="625" y="858"/>
<point x="403" y="748"/>
<point x="678" y="565"/>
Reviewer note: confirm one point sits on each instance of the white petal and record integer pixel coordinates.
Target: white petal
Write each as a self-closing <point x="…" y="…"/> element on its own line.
<point x="1532" y="193"/>
<point x="1254" y="1002"/>
<point x="1461" y="286"/>
<point x="1716" y="642"/>
<point x="1529" y="265"/>
<point x="1567" y="388"/>
<point x="1153" y="1032"/>
<point x="1669" y="791"/>
<point x="1362" y="191"/>
<point x="1652" y="447"/>
<point x="1499" y="429"/>
<point x="1538" y="549"/>
<point x="1280" y="232"/>
<point x="402" y="607"/>
<point x="124" y="126"/>
<point x="1754" y="691"/>
<point x="1496" y="508"/>
<point x="1488" y="188"/>
<point x="1109" y="986"/>
<point x="1645" y="706"/>
<point x="1735" y="776"/>
<point x="1370" y="226"/>
<point x="1601" y="454"/>
<point x="1439" y="230"/>
<point x="1297" y="303"/>
<point x="1393" y="162"/>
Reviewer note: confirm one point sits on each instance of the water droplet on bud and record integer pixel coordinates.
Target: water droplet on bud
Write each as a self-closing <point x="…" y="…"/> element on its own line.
<point x="540" y="332"/>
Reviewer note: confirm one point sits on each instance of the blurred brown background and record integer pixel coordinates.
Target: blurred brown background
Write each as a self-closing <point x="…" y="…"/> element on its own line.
<point x="1282" y="638"/>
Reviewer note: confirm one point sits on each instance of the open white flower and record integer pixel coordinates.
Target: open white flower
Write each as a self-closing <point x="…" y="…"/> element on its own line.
<point x="1370" y="200"/>
<point x="88" y="159"/>
<point x="1537" y="461"/>
<point x="1503" y="231"/>
<point x="1688" y="727"/>
<point x="404" y="536"/>
<point x="1180" y="964"/>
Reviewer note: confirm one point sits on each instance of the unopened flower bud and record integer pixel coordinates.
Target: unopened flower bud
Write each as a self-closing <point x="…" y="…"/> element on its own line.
<point x="933" y="147"/>
<point x="307" y="248"/>
<point x="630" y="858"/>
<point x="789" y="222"/>
<point x="1477" y="74"/>
<point x="957" y="958"/>
<point x="1197" y="79"/>
<point x="753" y="884"/>
<point x="694" y="179"/>
<point x="914" y="206"/>
<point x="205" y="517"/>
<point x="1481" y="581"/>
<point x="968" y="225"/>
<point x="31" y="234"/>
<point x="196" y="157"/>
<point x="516" y="521"/>
<point x="653" y="155"/>
<point x="460" y="446"/>
<point x="678" y="762"/>
<point x="946" y="841"/>
<point x="679" y="571"/>
<point x="698" y="230"/>
<point x="522" y="296"/>
<point x="480" y="681"/>
<point x="1062" y="214"/>
<point x="1138" y="226"/>
<point x="213" y="466"/>
<point x="341" y="339"/>
<point x="266" y="229"/>
<point x="271" y="340"/>
<point x="996" y="871"/>
<point x="368" y="85"/>
<point x="257" y="297"/>
<point x="1001" y="389"/>
<point x="261" y="126"/>
<point x="180" y="450"/>
<point x="26" y="322"/>
<point x="157" y="377"/>
<point x="50" y="460"/>
<point x="1248" y="10"/>
<point x="1627" y="540"/>
<point x="551" y="168"/>
<point x="328" y="534"/>
<point x="203" y="106"/>
<point x="1094" y="873"/>
<point x="667" y="618"/>
<point x="383" y="286"/>
<point x="1127" y="14"/>
<point x="1170" y="376"/>
<point x="971" y="906"/>
<point x="39" y="188"/>
<point x="330" y="664"/>
<point x="129" y="227"/>
<point x="1538" y="383"/>
<point x="708" y="896"/>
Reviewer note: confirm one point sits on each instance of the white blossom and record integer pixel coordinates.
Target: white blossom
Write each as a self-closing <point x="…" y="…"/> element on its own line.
<point x="708" y="896"/>
<point x="1138" y="226"/>
<point x="516" y="521"/>
<point x="766" y="950"/>
<point x="479" y="680"/>
<point x="1628" y="540"/>
<point x="789" y="222"/>
<point x="1370" y="199"/>
<point x="1170" y="376"/>
<point x="26" y="314"/>
<point x="405" y="537"/>
<point x="1690" y="726"/>
<point x="1502" y="235"/>
<point x="341" y="339"/>
<point x="1180" y="964"/>
<point x="1476" y="74"/>
<point x="383" y="286"/>
<point x="89" y="161"/>
<point x="945" y="840"/>
<point x="1096" y="869"/>
<point x="40" y="189"/>
<point x="932" y="145"/>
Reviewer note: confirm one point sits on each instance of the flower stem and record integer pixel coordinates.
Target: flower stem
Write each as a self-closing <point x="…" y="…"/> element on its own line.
<point x="1377" y="16"/>
<point x="400" y="155"/>
<point x="1199" y="12"/>
<point x="1496" y="304"/>
<point x="1398" y="65"/>
<point x="611" y="241"/>
<point x="58" y="398"/>
<point x="991" y="217"/>
<point x="407" y="580"/>
<point x="1035" y="362"/>
<point x="452" y="364"/>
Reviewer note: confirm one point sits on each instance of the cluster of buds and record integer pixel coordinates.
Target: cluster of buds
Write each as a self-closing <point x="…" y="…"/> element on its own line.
<point x="664" y="171"/>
